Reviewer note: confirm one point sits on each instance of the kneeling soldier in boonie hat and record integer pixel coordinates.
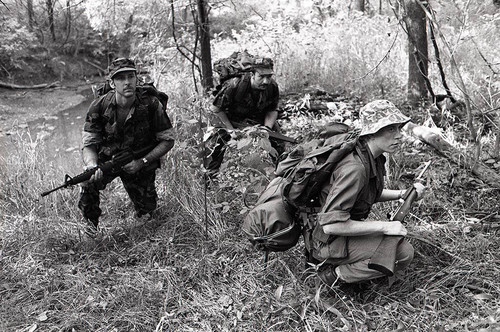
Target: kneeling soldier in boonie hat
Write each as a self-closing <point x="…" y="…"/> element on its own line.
<point x="344" y="238"/>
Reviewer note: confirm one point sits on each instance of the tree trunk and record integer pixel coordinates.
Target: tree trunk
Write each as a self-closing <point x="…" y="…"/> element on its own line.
<point x="418" y="58"/>
<point x="50" y="13"/>
<point x="206" y="55"/>
<point x="359" y="5"/>
<point x="29" y="7"/>
<point x="68" y="20"/>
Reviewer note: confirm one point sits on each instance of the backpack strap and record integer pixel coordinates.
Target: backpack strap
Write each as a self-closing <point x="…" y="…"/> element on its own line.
<point x="359" y="148"/>
<point x="308" y="218"/>
<point x="308" y="215"/>
<point x="243" y="85"/>
<point x="151" y="90"/>
<point x="105" y="101"/>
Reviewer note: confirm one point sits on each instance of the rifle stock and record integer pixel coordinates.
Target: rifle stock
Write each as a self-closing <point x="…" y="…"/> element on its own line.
<point x="281" y="137"/>
<point x="384" y="258"/>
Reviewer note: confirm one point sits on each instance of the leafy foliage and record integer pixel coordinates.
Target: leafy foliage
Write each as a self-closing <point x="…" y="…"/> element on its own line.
<point x="16" y="41"/>
<point x="191" y="268"/>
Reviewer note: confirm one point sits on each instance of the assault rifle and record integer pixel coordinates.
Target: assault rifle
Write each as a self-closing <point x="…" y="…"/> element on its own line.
<point x="272" y="134"/>
<point x="112" y="166"/>
<point x="384" y="258"/>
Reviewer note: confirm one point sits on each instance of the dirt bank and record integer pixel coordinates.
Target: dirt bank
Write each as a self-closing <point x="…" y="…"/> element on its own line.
<point x="19" y="107"/>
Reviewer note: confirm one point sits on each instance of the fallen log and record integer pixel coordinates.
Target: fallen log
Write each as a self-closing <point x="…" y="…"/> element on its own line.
<point x="37" y="86"/>
<point x="479" y="169"/>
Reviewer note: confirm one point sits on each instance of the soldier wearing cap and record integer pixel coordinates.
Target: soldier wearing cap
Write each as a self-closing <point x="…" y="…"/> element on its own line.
<point x="251" y="99"/>
<point x="344" y="237"/>
<point x="124" y="118"/>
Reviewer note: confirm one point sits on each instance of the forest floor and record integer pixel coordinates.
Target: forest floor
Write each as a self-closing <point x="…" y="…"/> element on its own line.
<point x="191" y="268"/>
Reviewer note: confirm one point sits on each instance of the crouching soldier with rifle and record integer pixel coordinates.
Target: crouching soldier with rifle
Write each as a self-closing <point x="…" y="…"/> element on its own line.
<point x="343" y="238"/>
<point x="126" y="119"/>
<point x="246" y="100"/>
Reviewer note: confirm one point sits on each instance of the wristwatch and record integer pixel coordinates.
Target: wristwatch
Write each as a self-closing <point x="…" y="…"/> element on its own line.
<point x="145" y="161"/>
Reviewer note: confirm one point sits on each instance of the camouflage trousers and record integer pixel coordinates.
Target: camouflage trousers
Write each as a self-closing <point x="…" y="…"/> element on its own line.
<point x="140" y="188"/>
<point x="216" y="146"/>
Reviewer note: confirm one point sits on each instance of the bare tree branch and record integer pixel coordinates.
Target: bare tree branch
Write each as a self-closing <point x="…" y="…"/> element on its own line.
<point x="454" y="66"/>
<point x="439" y="64"/>
<point x="484" y="58"/>
<point x="381" y="60"/>
<point x="3" y="3"/>
<point x="179" y="47"/>
<point x="195" y="47"/>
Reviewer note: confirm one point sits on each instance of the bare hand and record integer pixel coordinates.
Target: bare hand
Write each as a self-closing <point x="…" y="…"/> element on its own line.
<point x="395" y="228"/>
<point x="97" y="176"/>
<point x="133" y="167"/>
<point x="420" y="188"/>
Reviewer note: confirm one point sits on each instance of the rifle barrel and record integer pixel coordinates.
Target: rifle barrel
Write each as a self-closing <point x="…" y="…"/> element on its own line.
<point x="45" y="193"/>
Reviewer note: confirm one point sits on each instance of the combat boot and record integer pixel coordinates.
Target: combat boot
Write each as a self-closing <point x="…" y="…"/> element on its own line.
<point x="328" y="276"/>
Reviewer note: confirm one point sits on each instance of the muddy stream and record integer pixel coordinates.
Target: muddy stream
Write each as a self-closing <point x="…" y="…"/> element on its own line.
<point x="58" y="135"/>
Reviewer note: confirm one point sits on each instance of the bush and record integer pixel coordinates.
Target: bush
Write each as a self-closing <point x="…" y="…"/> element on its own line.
<point x="17" y="44"/>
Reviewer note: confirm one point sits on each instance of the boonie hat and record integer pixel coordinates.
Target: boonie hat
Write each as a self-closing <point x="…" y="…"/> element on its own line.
<point x="379" y="114"/>
<point x="120" y="65"/>
<point x="263" y="66"/>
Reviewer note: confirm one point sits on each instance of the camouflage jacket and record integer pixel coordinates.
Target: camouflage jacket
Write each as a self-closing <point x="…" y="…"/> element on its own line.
<point x="146" y="123"/>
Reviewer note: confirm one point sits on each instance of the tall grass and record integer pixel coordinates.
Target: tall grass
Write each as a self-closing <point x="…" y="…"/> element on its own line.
<point x="191" y="268"/>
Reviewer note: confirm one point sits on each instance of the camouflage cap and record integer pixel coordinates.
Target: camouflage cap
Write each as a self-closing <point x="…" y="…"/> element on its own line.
<point x="263" y="66"/>
<point x="379" y="114"/>
<point x="120" y="65"/>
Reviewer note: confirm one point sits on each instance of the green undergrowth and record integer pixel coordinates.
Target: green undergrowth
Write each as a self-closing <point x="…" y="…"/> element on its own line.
<point x="192" y="269"/>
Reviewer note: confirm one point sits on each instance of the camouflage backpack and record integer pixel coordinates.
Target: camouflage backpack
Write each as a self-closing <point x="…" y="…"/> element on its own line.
<point x="234" y="65"/>
<point x="273" y="224"/>
<point x="303" y="173"/>
<point x="237" y="64"/>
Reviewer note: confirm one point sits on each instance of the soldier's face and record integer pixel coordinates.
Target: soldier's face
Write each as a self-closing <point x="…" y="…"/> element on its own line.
<point x="260" y="82"/>
<point x="388" y="139"/>
<point x="125" y="83"/>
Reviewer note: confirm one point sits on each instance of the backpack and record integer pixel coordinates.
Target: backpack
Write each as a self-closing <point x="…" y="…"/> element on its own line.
<point x="236" y="65"/>
<point x="270" y="225"/>
<point x="273" y="224"/>
<point x="144" y="89"/>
